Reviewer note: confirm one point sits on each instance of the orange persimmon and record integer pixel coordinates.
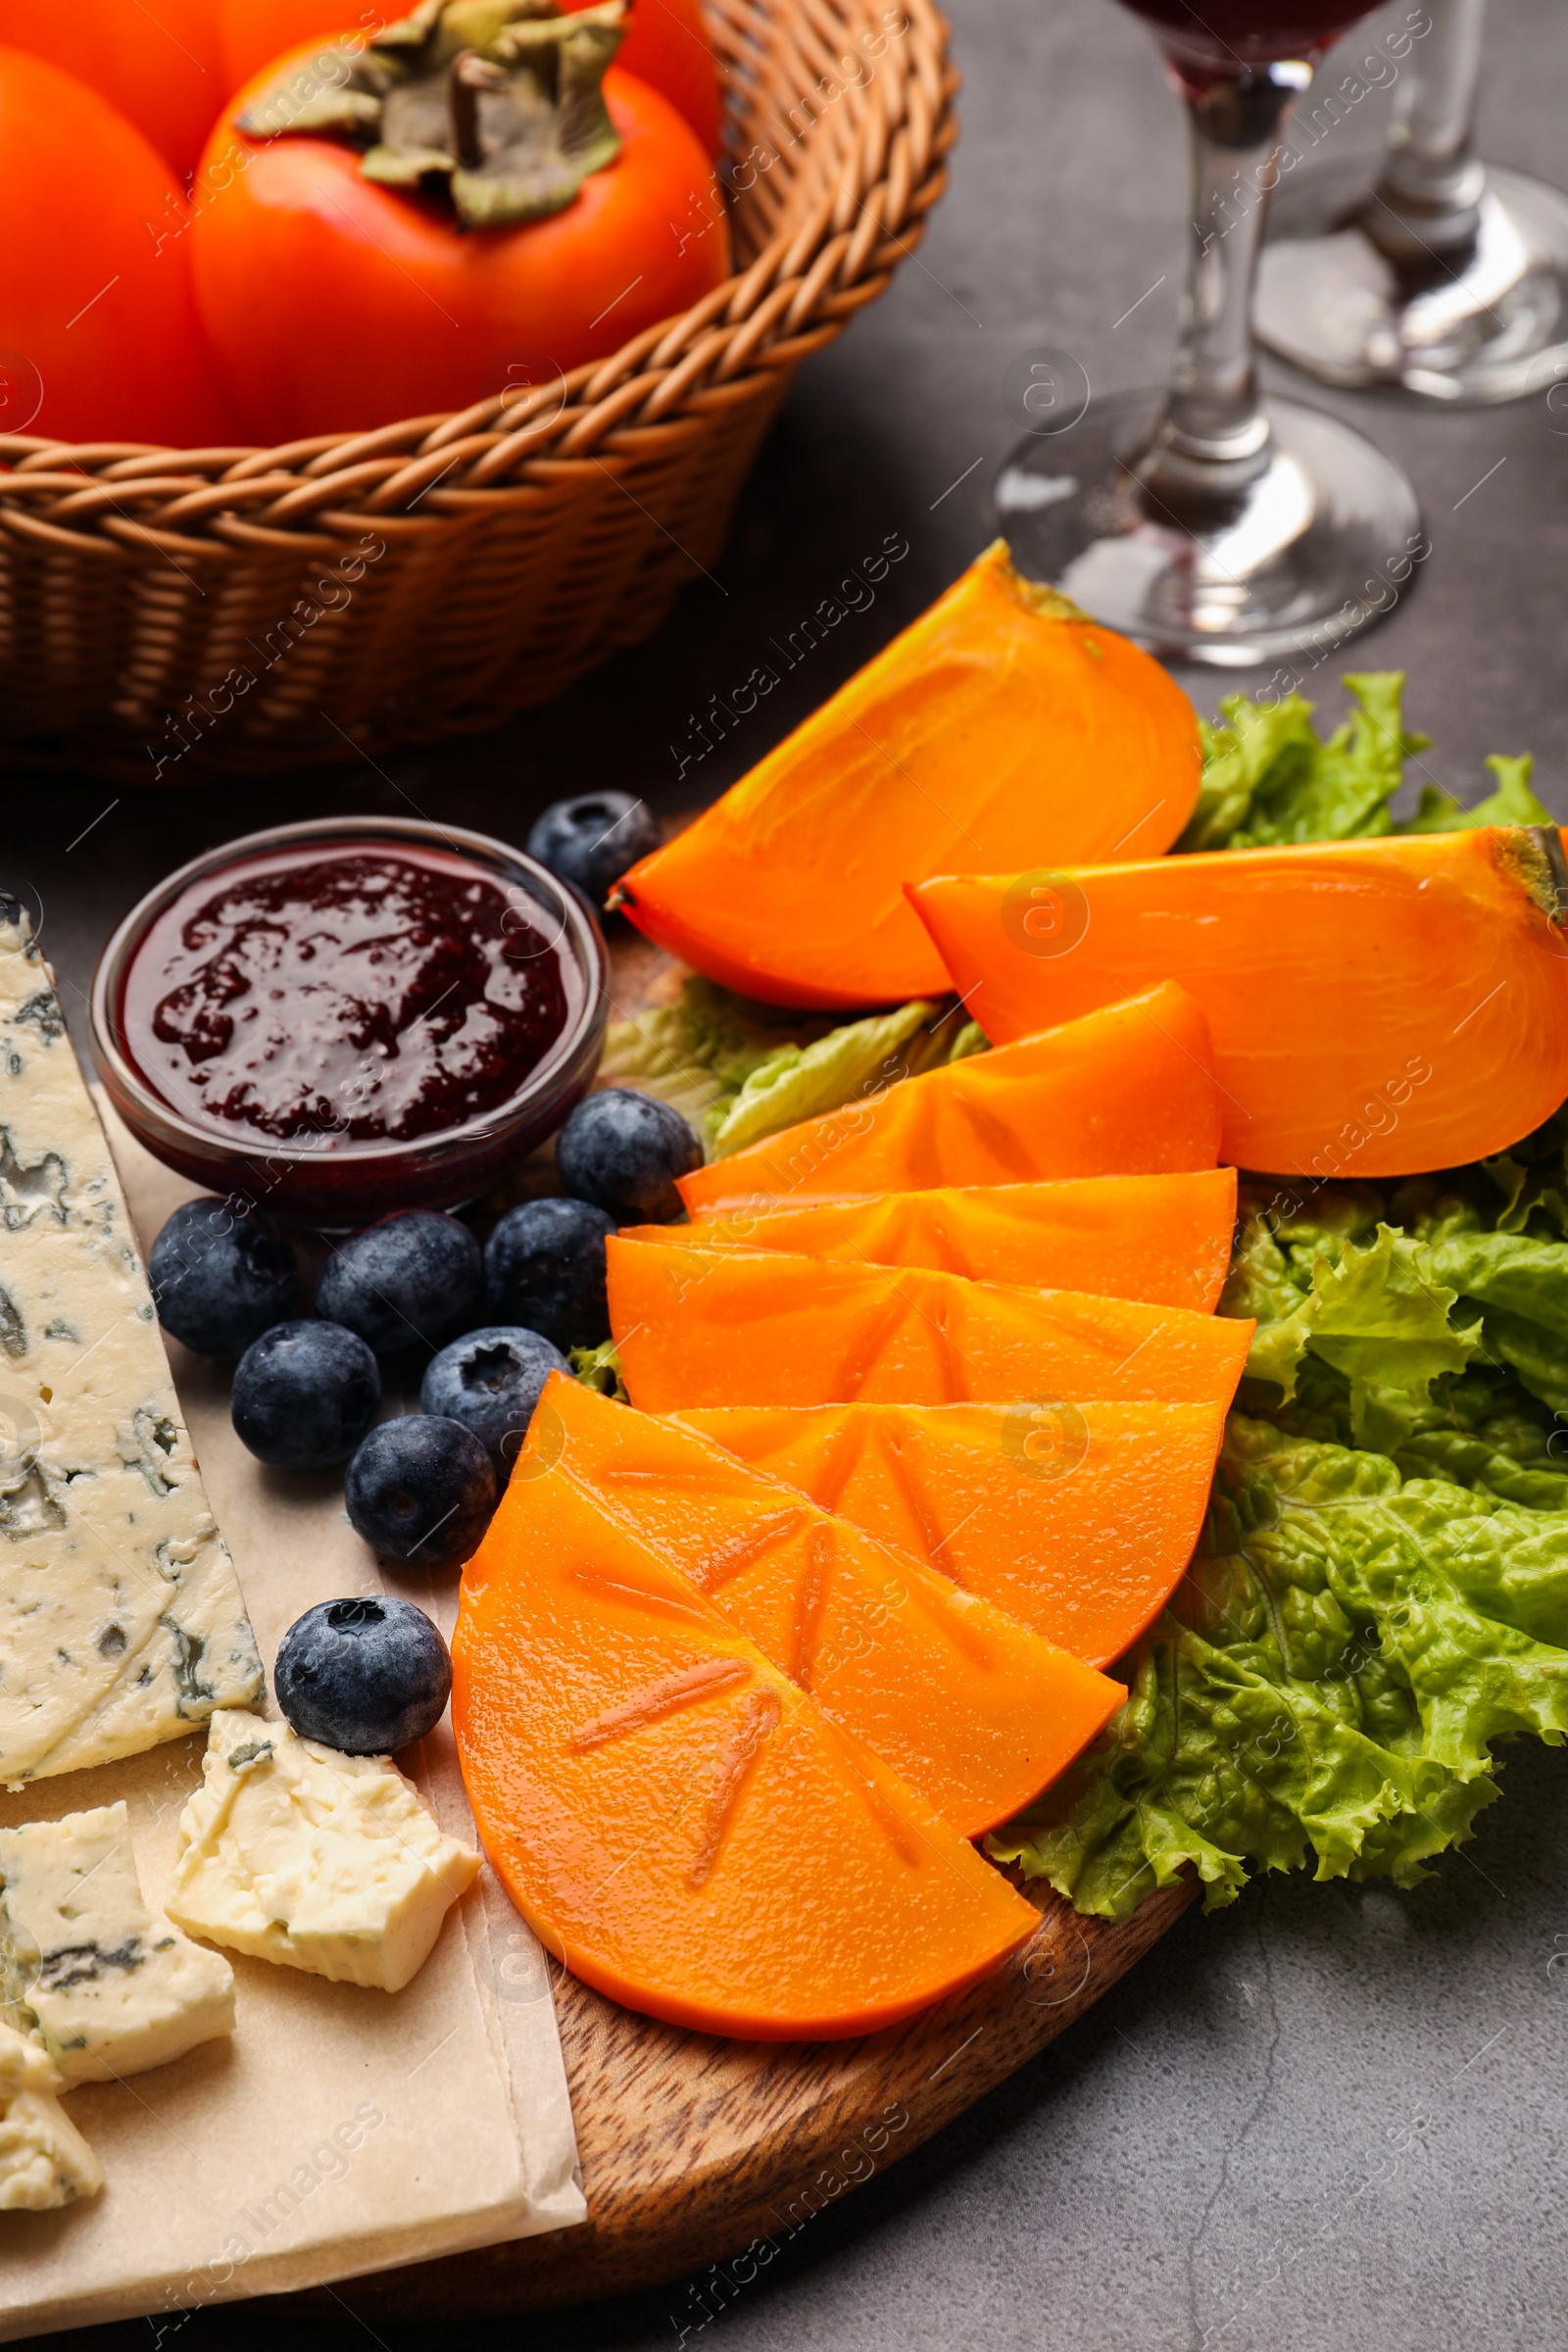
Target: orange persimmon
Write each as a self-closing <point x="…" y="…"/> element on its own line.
<point x="1127" y="1093"/>
<point x="96" y="309"/>
<point x="1078" y="1519"/>
<point x="665" y="45"/>
<point x="677" y="1822"/>
<point x="1164" y="1238"/>
<point x="719" y="1327"/>
<point x="408" y="311"/>
<point x="160" y="67"/>
<point x="1001" y="727"/>
<point x="1377" y="1008"/>
<point x="971" y="1708"/>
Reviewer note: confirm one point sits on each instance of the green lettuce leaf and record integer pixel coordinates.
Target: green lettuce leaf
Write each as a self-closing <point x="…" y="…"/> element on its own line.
<point x="1382" y="1589"/>
<point x="1397" y="1306"/>
<point x="1268" y="776"/>
<point x="1478" y="1429"/>
<point x="599" y="1368"/>
<point x="1512" y="804"/>
<point x="1525" y="1190"/>
<point x="1253" y="742"/>
<point x="1379" y="1313"/>
<point x="1344" y="1651"/>
<point x="740" y="1071"/>
<point x="796" y="1082"/>
<point x="699" y="1052"/>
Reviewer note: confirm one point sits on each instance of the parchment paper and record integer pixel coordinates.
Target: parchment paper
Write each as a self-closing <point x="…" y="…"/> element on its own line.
<point x="341" y="2130"/>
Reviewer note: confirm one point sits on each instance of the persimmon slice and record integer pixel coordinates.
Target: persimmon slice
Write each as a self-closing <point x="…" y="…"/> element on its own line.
<point x="718" y="1327"/>
<point x="1128" y="1091"/>
<point x="678" y="1823"/>
<point x="1164" y="1238"/>
<point x="976" y="1712"/>
<point x="1378" y="1008"/>
<point x="1001" y="728"/>
<point x="1079" y="1519"/>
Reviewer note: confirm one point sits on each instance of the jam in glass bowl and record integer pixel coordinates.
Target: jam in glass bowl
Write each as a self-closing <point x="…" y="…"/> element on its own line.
<point x="337" y="1020"/>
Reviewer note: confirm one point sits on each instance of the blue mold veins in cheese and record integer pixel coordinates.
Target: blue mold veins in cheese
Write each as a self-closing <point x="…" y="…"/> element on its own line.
<point x="107" y="1989"/>
<point x="120" y="1621"/>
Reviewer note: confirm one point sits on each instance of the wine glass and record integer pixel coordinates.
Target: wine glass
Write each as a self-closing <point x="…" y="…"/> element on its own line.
<point x="1206" y="522"/>
<point x="1450" y="276"/>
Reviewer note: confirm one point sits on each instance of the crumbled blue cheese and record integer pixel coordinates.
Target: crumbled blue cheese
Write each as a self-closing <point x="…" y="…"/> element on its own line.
<point x="107" y="1989"/>
<point x="121" y="1619"/>
<point x="294" y="1852"/>
<point x="44" y="2161"/>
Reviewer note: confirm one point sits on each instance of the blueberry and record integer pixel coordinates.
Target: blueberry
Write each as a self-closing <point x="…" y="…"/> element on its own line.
<point x="623" y="1151"/>
<point x="222" y="1276"/>
<point x="365" y="1676"/>
<point x="304" y="1393"/>
<point x="591" y="840"/>
<point x="490" y="1382"/>
<point x="420" y="1490"/>
<point x="544" y="1265"/>
<point x="413" y="1276"/>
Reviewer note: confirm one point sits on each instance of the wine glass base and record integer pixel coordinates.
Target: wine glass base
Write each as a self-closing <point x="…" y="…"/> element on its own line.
<point x="1319" y="542"/>
<point x="1490" y="324"/>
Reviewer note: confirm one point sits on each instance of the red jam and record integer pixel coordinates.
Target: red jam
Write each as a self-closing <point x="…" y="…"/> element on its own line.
<point x="369" y="993"/>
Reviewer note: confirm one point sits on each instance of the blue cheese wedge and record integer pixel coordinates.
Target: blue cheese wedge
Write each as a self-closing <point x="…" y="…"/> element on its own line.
<point x="121" y="1619"/>
<point x="105" y="1987"/>
<point x="294" y="1852"/>
<point x="44" y="2161"/>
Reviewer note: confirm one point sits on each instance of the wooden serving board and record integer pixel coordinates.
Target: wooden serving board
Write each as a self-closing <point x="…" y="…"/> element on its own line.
<point x="696" y="2150"/>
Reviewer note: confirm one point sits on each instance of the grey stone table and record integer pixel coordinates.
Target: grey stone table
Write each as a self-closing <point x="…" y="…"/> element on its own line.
<point x="1330" y="2117"/>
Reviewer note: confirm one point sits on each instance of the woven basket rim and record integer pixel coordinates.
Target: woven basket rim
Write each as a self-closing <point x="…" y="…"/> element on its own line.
<point x="795" y="295"/>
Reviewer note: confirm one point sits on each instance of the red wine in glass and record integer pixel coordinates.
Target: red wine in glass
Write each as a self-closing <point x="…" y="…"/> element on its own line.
<point x="1206" y="521"/>
<point x="1227" y="34"/>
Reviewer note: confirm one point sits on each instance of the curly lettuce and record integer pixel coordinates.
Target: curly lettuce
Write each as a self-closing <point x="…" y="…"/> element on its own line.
<point x="1346" y="1645"/>
<point x="1269" y="777"/>
<point x="1512" y="804"/>
<point x="1397" y="1291"/>
<point x="599" y="1368"/>
<point x="1382" y="1589"/>
<point x="740" y="1071"/>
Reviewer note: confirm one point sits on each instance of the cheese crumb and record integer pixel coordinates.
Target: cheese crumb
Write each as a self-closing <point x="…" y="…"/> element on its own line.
<point x="294" y="1852"/>
<point x="44" y="2161"/>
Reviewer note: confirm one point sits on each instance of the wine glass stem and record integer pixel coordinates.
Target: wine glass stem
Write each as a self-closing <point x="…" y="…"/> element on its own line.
<point x="1431" y="169"/>
<point x="1215" y="415"/>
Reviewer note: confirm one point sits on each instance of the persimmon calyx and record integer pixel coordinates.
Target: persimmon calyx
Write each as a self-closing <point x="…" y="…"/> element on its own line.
<point x="1533" y="853"/>
<point x="1048" y="602"/>
<point x="500" y="102"/>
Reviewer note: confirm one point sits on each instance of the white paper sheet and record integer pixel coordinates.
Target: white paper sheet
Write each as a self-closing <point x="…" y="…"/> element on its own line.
<point x="342" y="2129"/>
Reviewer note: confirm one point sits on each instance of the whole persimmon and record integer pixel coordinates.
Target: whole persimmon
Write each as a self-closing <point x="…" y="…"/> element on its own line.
<point x="102" y="341"/>
<point x="666" y="46"/>
<point x="162" y="67"/>
<point x="254" y="34"/>
<point x="422" y="225"/>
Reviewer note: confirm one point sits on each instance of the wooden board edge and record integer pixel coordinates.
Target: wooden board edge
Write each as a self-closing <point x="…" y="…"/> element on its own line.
<point x="757" y="2197"/>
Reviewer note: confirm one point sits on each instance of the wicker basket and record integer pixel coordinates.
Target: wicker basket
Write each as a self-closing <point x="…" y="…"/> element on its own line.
<point x="165" y="617"/>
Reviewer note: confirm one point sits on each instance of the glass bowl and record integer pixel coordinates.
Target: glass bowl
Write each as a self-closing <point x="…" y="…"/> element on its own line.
<point x="324" y="1180"/>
